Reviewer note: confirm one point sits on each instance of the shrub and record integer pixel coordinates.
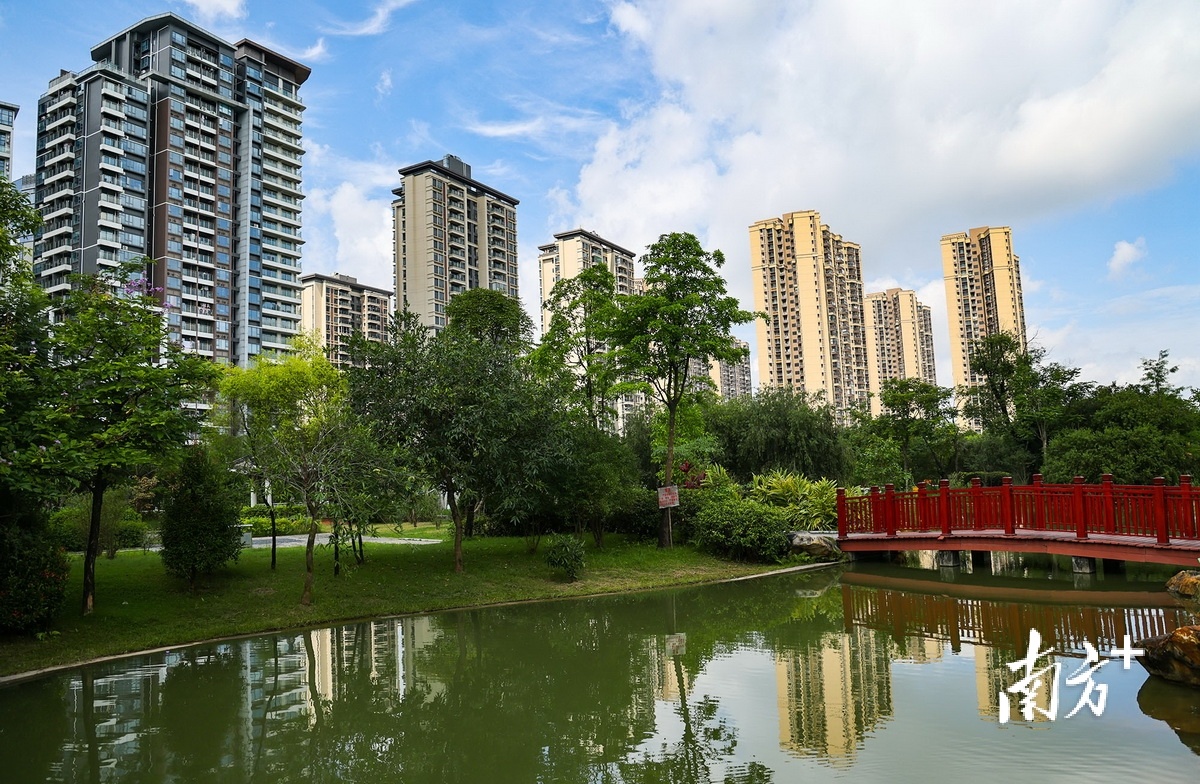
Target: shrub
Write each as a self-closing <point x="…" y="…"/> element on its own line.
<point x="33" y="578"/>
<point x="636" y="514"/>
<point x="200" y="519"/>
<point x="566" y="553"/>
<point x="743" y="530"/>
<point x="131" y="530"/>
<point x="261" y="526"/>
<point x="120" y="525"/>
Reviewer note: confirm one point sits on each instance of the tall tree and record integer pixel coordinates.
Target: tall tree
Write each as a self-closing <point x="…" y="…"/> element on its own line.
<point x="120" y="391"/>
<point x="684" y="317"/>
<point x="582" y="309"/>
<point x="200" y="517"/>
<point x="295" y="408"/>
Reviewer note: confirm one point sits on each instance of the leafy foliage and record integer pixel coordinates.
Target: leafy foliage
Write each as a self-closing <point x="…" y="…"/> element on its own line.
<point x="200" y="520"/>
<point x="33" y="577"/>
<point x="566" y="553"/>
<point x="744" y="530"/>
<point x="685" y="316"/>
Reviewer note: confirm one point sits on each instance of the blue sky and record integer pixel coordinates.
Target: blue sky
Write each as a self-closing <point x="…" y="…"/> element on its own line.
<point x="1073" y="122"/>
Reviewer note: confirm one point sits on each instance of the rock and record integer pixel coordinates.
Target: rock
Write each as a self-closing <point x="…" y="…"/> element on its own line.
<point x="821" y="546"/>
<point x="1175" y="656"/>
<point x="1185" y="585"/>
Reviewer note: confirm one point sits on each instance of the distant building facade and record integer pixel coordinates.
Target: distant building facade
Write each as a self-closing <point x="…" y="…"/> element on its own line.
<point x="808" y="280"/>
<point x="983" y="293"/>
<point x="732" y="379"/>
<point x="185" y="149"/>
<point x="451" y="234"/>
<point x="8" y="118"/>
<point x="899" y="340"/>
<point x="337" y="307"/>
<point x="571" y="253"/>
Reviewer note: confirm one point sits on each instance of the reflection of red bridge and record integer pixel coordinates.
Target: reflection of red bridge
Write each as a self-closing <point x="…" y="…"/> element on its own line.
<point x="1153" y="523"/>
<point x="1001" y="617"/>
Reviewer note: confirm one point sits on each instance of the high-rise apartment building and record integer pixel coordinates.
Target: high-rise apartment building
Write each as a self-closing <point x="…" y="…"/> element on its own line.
<point x="732" y="379"/>
<point x="337" y="307"/>
<point x="8" y="117"/>
<point x="452" y="234"/>
<point x="572" y="252"/>
<point x="899" y="340"/>
<point x="179" y="147"/>
<point x="808" y="280"/>
<point x="983" y="293"/>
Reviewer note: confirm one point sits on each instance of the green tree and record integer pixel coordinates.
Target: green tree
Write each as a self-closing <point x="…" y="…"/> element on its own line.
<point x="685" y="316"/>
<point x="999" y="358"/>
<point x="492" y="317"/>
<point x="200" y="517"/>
<point x="922" y="415"/>
<point x="459" y="403"/>
<point x="582" y="309"/>
<point x="118" y="391"/>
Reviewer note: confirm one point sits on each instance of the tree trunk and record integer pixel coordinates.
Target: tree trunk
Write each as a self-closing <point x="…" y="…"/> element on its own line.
<point x="469" y="526"/>
<point x="99" y="485"/>
<point x="307" y="596"/>
<point x="458" y="530"/>
<point x="271" y="511"/>
<point x="664" y="528"/>
<point x="337" y="549"/>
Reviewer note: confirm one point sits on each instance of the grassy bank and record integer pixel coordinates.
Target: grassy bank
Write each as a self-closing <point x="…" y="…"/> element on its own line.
<point x="138" y="606"/>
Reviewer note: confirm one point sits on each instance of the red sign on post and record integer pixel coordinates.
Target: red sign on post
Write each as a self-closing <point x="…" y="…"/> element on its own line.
<point x="668" y="496"/>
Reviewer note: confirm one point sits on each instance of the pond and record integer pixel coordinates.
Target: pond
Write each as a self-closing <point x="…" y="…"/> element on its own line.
<point x="873" y="673"/>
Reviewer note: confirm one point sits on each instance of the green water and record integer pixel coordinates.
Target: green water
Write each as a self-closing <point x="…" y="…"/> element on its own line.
<point x="875" y="674"/>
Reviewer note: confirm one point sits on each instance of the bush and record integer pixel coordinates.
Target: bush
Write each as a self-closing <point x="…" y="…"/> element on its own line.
<point x="200" y="519"/>
<point x="131" y="530"/>
<point x="281" y="510"/>
<point x="566" y="553"/>
<point x="120" y="525"/>
<point x="33" y="578"/>
<point x="284" y="526"/>
<point x="636" y="514"/>
<point x="743" y="530"/>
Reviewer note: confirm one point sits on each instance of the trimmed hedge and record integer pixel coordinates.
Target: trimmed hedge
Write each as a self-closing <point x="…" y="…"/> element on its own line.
<point x="261" y="526"/>
<point x="743" y="530"/>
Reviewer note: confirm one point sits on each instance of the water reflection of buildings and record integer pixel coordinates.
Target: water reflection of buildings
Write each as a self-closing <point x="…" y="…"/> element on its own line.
<point x="119" y="717"/>
<point x="832" y="693"/>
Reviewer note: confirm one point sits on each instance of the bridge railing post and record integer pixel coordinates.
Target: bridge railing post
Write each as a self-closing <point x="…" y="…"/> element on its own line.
<point x="922" y="502"/>
<point x="1189" y="507"/>
<point x="843" y="523"/>
<point x="944" y="505"/>
<point x="1039" y="516"/>
<point x="889" y="493"/>
<point x="1160" y="510"/>
<point x="876" y="510"/>
<point x="1110" y="512"/>
<point x="977" y="511"/>
<point x="1006" y="506"/>
<point x="1077" y="496"/>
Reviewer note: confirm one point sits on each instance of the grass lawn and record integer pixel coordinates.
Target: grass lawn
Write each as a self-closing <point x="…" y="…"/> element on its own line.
<point x="139" y="607"/>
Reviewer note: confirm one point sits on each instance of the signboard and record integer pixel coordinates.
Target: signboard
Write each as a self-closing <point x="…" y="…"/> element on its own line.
<point x="668" y="496"/>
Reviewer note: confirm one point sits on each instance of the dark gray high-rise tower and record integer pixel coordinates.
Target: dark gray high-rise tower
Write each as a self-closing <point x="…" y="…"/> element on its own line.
<point x="184" y="149"/>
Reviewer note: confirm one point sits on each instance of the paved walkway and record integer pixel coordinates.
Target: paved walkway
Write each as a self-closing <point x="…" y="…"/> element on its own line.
<point x="300" y="540"/>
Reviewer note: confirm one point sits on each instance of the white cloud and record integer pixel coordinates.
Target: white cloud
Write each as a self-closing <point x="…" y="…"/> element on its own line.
<point x="379" y="21"/>
<point x="1124" y="256"/>
<point x="317" y="53"/>
<point x="383" y="86"/>
<point x="208" y="11"/>
<point x="899" y="122"/>
<point x="362" y="234"/>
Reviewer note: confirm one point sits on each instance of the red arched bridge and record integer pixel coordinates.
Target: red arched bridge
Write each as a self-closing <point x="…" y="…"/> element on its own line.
<point x="1152" y="523"/>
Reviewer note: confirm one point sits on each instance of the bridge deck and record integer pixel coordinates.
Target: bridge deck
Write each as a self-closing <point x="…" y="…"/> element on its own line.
<point x="1122" y="548"/>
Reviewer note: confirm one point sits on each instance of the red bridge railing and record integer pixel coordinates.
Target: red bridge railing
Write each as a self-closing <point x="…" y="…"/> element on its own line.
<point x="1152" y="512"/>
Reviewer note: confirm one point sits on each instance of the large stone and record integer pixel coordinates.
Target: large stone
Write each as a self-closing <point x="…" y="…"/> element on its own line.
<point x="823" y="547"/>
<point x="1174" y="656"/>
<point x="1185" y="585"/>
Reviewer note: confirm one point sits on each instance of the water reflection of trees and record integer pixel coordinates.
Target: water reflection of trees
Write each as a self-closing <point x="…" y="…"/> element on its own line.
<point x="569" y="691"/>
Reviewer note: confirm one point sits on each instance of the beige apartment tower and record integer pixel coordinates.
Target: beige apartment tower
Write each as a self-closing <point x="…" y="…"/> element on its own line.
<point x="899" y="340"/>
<point x="808" y="280"/>
<point x="731" y="379"/>
<point x="983" y="293"/>
<point x="337" y="307"/>
<point x="573" y="251"/>
<point x="452" y="233"/>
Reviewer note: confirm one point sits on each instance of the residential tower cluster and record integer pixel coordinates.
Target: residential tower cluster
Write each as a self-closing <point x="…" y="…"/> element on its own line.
<point x="179" y="147"/>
